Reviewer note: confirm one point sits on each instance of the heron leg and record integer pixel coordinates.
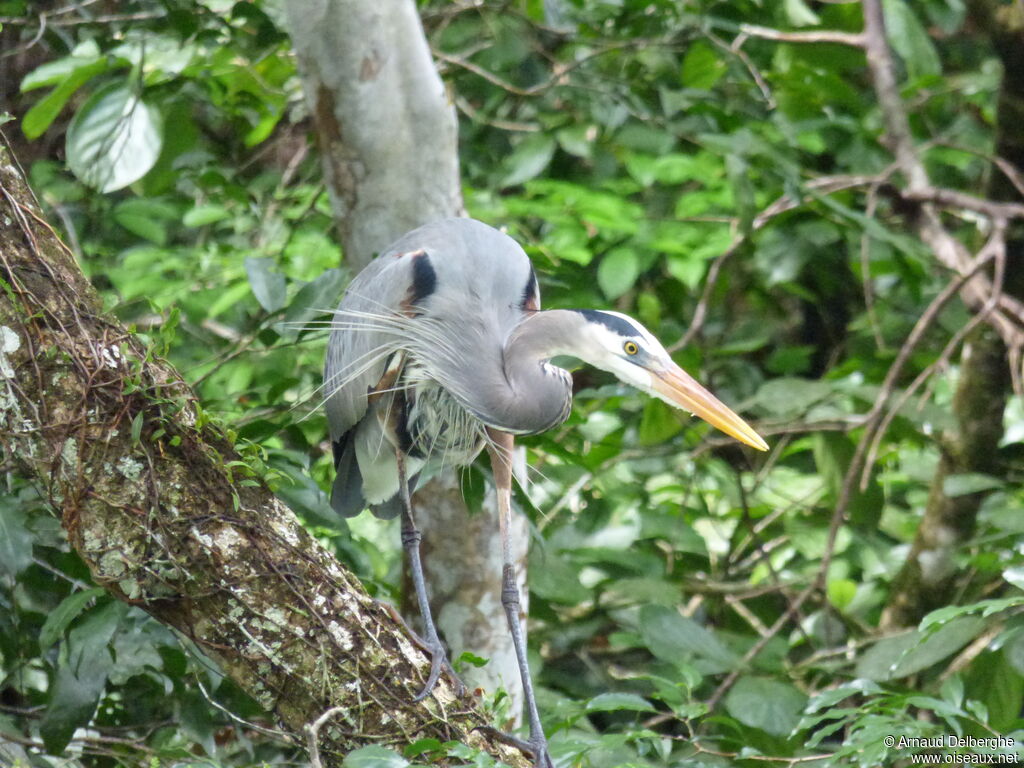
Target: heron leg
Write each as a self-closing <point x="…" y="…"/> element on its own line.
<point x="501" y="463"/>
<point x="411" y="538"/>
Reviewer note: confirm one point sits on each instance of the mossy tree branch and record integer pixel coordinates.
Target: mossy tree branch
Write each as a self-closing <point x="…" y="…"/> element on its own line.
<point x="170" y="518"/>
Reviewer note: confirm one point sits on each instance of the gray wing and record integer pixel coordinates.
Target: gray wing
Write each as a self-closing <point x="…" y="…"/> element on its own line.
<point x="468" y="278"/>
<point x="357" y="355"/>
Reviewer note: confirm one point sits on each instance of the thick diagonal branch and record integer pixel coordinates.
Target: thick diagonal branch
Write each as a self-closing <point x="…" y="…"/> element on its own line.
<point x="169" y="518"/>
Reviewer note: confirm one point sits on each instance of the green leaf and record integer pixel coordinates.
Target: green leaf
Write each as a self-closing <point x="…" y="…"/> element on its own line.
<point x="114" y="139"/>
<point x="617" y="272"/>
<point x="942" y="616"/>
<point x="910" y="40"/>
<point x="314" y="298"/>
<point x="677" y="639"/>
<point x="799" y="14"/>
<point x="474" y="487"/>
<point x="702" y="67"/>
<point x="66" y="612"/>
<point x="658" y="423"/>
<point x="791" y="396"/>
<point x="422" y="746"/>
<point x="841" y="592"/>
<point x="202" y="215"/>
<point x="553" y="578"/>
<point x="45" y="111"/>
<point x="15" y="537"/>
<point x="528" y="159"/>
<point x="146" y="218"/>
<point x="374" y="757"/>
<point x="910" y="652"/>
<point x="57" y="71"/>
<point x="577" y="140"/>
<point x="967" y="483"/>
<point x="81" y="677"/>
<point x="70" y="704"/>
<point x="833" y="452"/>
<point x="614" y="702"/>
<point x="470" y="659"/>
<point x="269" y="288"/>
<point x="992" y="680"/>
<point x="770" y="705"/>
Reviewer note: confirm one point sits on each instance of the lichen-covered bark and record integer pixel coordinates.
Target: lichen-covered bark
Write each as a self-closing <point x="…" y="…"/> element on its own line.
<point x="387" y="133"/>
<point x="168" y="517"/>
<point x="929" y="576"/>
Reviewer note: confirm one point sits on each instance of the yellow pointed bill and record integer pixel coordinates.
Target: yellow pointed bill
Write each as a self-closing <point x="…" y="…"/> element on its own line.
<point x="679" y="388"/>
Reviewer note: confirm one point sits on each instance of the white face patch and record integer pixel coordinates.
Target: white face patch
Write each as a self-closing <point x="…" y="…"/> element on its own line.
<point x="648" y="341"/>
<point x="603" y="347"/>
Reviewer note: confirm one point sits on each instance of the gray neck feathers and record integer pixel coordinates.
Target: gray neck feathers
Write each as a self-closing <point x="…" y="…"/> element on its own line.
<point x="524" y="394"/>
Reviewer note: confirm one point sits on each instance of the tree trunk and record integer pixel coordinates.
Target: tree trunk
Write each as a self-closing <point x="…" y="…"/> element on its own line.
<point x="387" y="133"/>
<point x="928" y="578"/>
<point x="171" y="519"/>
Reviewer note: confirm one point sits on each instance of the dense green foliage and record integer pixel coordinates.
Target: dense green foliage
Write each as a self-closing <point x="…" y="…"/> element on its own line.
<point x="635" y="149"/>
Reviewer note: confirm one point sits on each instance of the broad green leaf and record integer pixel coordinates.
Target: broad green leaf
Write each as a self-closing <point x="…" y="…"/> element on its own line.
<point x="658" y="423"/>
<point x="15" y="537"/>
<point x="146" y="218"/>
<point x="577" y="140"/>
<point x="269" y="287"/>
<point x="530" y="157"/>
<point x="833" y="452"/>
<point x="45" y="111"/>
<point x="70" y="704"/>
<point x="81" y="677"/>
<point x="617" y="272"/>
<point x="314" y="298"/>
<point x="421" y="746"/>
<point x="897" y="657"/>
<point x="841" y="592"/>
<point x="114" y="139"/>
<point x="791" y="396"/>
<point x="799" y="14"/>
<point x="675" y="638"/>
<point x="59" y="70"/>
<point x="202" y="215"/>
<point x="374" y="757"/>
<point x="1013" y="649"/>
<point x="613" y="702"/>
<point x="910" y="40"/>
<point x="987" y="608"/>
<point x="969" y="482"/>
<point x="770" y="705"/>
<point x="686" y="268"/>
<point x="553" y="578"/>
<point x="702" y="66"/>
<point x="68" y="610"/>
<point x="993" y="680"/>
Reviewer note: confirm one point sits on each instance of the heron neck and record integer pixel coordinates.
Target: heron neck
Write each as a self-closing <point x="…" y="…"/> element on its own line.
<point x="538" y="395"/>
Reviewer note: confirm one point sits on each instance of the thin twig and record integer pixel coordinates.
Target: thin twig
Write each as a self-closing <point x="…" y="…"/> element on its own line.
<point x="313" y="734"/>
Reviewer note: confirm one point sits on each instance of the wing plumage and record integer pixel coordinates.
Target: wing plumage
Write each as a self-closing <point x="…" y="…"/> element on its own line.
<point x="445" y="297"/>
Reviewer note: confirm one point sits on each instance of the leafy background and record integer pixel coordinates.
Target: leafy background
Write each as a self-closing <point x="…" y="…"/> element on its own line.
<point x="636" y="150"/>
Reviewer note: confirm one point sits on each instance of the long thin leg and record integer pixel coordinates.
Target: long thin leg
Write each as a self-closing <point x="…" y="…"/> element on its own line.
<point x="500" y="449"/>
<point x="411" y="538"/>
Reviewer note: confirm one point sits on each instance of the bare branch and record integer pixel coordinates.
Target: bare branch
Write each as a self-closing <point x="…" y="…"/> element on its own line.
<point x="951" y="198"/>
<point x="854" y="39"/>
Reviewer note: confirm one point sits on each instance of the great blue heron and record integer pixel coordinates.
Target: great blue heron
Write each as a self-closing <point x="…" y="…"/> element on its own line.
<point x="439" y="348"/>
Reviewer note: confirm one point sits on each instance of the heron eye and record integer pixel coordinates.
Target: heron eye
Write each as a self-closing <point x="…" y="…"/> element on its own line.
<point x="630" y="348"/>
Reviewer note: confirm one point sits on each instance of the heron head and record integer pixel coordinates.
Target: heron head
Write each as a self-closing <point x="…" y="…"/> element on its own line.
<point x="622" y="346"/>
